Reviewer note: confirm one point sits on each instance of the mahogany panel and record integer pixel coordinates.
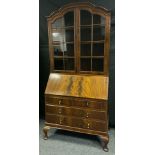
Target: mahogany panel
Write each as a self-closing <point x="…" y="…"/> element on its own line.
<point x="81" y="103"/>
<point x="52" y="109"/>
<point x="92" y="86"/>
<point x="76" y="122"/>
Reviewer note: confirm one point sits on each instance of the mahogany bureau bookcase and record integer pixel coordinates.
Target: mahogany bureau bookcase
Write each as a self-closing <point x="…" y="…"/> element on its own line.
<point x="76" y="95"/>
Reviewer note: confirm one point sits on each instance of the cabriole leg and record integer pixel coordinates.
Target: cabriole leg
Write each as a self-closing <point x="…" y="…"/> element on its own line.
<point x="104" y="142"/>
<point x="45" y="130"/>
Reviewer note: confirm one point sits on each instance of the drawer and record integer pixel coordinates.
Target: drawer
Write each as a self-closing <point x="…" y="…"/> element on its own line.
<point x="95" y="125"/>
<point x="62" y="120"/>
<point x="58" y="101"/>
<point x="76" y="103"/>
<point x="77" y="122"/>
<point x="69" y="111"/>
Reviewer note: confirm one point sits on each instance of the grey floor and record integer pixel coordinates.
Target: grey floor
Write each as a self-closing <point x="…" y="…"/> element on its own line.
<point x="62" y="142"/>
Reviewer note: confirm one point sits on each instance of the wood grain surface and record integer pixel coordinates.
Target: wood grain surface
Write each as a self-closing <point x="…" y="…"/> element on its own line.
<point x="93" y="104"/>
<point x="92" y="86"/>
<point x="77" y="100"/>
<point x="77" y="122"/>
<point x="76" y="112"/>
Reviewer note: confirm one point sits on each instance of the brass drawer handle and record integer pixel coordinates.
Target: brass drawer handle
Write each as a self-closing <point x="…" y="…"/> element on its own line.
<point x="88" y="125"/>
<point x="61" y="119"/>
<point x="87" y="103"/>
<point x="59" y="102"/>
<point x="87" y="115"/>
<point x="60" y="111"/>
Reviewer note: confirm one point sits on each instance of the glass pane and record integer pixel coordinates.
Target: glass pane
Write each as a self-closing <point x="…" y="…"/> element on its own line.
<point x="58" y="36"/>
<point x="69" y="35"/>
<point x="98" y="49"/>
<point x="69" y="51"/>
<point x="58" y="50"/>
<point x="85" y="34"/>
<point x="85" y="49"/>
<point x="58" y="23"/>
<point x="97" y="64"/>
<point x="58" y="64"/>
<point x="85" y="64"/>
<point x="69" y="63"/>
<point x="63" y="35"/>
<point x="86" y="17"/>
<point x="97" y="19"/>
<point x="98" y="33"/>
<point x="69" y="19"/>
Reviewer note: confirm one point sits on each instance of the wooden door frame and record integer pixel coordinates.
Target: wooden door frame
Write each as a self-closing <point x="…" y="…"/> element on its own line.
<point x="76" y="7"/>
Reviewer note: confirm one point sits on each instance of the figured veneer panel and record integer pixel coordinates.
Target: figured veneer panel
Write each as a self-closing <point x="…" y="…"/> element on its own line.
<point x="77" y="112"/>
<point x="93" y="86"/>
<point x="77" y="103"/>
<point x="76" y="122"/>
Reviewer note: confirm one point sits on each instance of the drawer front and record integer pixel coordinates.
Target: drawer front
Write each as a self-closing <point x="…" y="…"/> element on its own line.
<point x="77" y="122"/>
<point x="52" y="109"/>
<point x="94" y="125"/>
<point x="58" y="101"/>
<point x="76" y="103"/>
<point x="62" y="120"/>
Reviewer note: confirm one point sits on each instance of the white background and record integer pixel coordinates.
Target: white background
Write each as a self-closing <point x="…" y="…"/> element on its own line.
<point x="135" y="76"/>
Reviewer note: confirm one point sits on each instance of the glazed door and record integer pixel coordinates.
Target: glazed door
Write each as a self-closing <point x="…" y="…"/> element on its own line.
<point x="79" y="42"/>
<point x="63" y="34"/>
<point x="91" y="41"/>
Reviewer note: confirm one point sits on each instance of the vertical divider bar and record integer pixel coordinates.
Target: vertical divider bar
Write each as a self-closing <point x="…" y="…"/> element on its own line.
<point x="92" y="41"/>
<point x="77" y="39"/>
<point x="64" y="40"/>
<point x="75" y="44"/>
<point x="51" y="52"/>
<point x="107" y="45"/>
